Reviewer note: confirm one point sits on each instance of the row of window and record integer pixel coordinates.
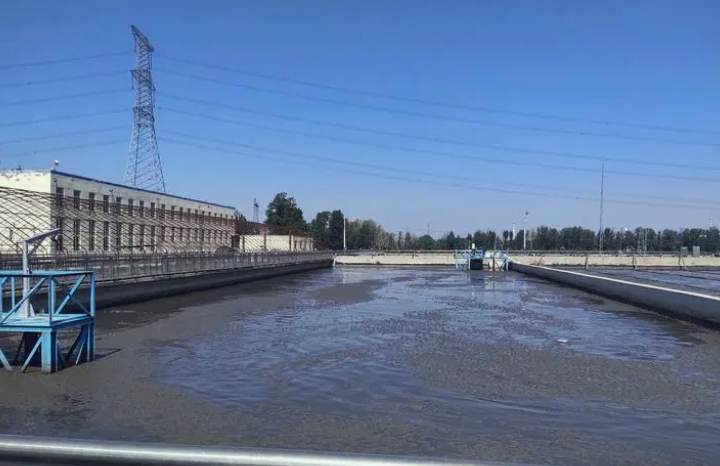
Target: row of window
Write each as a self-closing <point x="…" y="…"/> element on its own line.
<point x="132" y="236"/>
<point x="141" y="209"/>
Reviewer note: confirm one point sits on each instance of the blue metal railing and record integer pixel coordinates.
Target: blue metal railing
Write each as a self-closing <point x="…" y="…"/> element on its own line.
<point x="47" y="282"/>
<point x="40" y="304"/>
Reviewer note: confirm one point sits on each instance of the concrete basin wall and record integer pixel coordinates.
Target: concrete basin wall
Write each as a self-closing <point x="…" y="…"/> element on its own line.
<point x="409" y="259"/>
<point x="605" y="260"/>
<point x="686" y="305"/>
<point x="129" y="290"/>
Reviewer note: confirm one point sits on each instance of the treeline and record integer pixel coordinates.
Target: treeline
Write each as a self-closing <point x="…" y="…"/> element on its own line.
<point x="326" y="230"/>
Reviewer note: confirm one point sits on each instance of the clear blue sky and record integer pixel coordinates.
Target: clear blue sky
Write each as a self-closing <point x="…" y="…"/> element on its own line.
<point x="651" y="63"/>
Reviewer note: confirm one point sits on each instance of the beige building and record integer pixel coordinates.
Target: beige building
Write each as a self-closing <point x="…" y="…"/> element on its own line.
<point x="270" y="242"/>
<point x="98" y="217"/>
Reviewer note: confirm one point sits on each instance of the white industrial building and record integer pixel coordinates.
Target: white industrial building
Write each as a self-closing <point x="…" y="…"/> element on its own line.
<point x="99" y="216"/>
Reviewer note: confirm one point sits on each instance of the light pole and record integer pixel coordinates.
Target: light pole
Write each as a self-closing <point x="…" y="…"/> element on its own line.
<point x="524" y="229"/>
<point x="344" y="233"/>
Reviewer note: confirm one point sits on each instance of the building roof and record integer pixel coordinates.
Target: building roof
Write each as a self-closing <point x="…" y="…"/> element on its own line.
<point x="57" y="172"/>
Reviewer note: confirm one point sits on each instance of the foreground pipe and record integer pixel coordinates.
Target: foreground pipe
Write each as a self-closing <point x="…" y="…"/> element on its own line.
<point x="43" y="449"/>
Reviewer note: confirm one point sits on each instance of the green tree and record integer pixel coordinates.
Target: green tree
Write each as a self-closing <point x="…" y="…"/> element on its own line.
<point x="425" y="242"/>
<point x="335" y="230"/>
<point x="283" y="211"/>
<point x="319" y="230"/>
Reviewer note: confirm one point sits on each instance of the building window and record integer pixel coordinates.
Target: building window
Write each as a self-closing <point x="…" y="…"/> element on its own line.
<point x="76" y="235"/>
<point x="162" y="211"/>
<point x="130" y="207"/>
<point x="59" y="195"/>
<point x="91" y="202"/>
<point x="118" y="205"/>
<point x="202" y="235"/>
<point x="118" y="236"/>
<point x="141" y="237"/>
<point x="196" y="234"/>
<point x="152" y="210"/>
<point x="180" y="214"/>
<point x="59" y="226"/>
<point x="172" y="234"/>
<point x="106" y="233"/>
<point x="91" y="235"/>
<point x="196" y="216"/>
<point x="202" y="217"/>
<point x="162" y="234"/>
<point x="130" y="235"/>
<point x="141" y="208"/>
<point x="106" y="203"/>
<point x="76" y="199"/>
<point x="152" y="237"/>
<point x="172" y="212"/>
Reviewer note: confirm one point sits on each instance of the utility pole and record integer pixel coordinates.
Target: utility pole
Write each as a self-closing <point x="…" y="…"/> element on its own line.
<point x="144" y="169"/>
<point x="256" y="211"/>
<point x="344" y="233"/>
<point x="602" y="201"/>
<point x="525" y="230"/>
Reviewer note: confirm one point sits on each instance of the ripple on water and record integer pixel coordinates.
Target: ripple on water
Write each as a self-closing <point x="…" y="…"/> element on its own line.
<point x="461" y="354"/>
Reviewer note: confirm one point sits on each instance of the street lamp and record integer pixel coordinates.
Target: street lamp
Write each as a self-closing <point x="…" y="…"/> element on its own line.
<point x="524" y="223"/>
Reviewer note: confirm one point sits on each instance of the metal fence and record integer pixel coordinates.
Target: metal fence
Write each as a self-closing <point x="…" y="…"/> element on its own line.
<point x="119" y="266"/>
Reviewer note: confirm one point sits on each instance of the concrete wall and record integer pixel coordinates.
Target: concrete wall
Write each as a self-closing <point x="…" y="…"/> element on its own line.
<point x="129" y="290"/>
<point x="683" y="304"/>
<point x="598" y="260"/>
<point x="557" y="260"/>
<point x="404" y="259"/>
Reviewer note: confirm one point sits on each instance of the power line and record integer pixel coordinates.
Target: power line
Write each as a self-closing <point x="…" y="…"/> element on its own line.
<point x="60" y="135"/>
<point x="63" y="60"/>
<point x="62" y="149"/>
<point x="415" y="100"/>
<point x="61" y="80"/>
<point x="501" y="148"/>
<point x="305" y="155"/>
<point x="516" y="163"/>
<point x="62" y="97"/>
<point x="430" y="182"/>
<point x="443" y="117"/>
<point x="72" y="116"/>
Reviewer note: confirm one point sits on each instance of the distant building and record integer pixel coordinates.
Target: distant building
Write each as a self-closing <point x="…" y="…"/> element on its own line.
<point x="99" y="217"/>
<point x="254" y="236"/>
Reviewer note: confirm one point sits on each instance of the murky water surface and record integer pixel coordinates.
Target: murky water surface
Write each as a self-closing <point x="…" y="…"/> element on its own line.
<point x="435" y="361"/>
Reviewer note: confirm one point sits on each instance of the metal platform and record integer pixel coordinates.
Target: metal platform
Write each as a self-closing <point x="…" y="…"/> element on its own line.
<point x="478" y="259"/>
<point x="37" y="306"/>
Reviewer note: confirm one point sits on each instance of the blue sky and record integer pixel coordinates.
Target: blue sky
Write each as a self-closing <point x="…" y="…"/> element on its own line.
<point x="650" y="63"/>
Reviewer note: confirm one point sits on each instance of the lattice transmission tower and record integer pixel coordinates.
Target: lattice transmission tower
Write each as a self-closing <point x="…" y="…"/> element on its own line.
<point x="144" y="169"/>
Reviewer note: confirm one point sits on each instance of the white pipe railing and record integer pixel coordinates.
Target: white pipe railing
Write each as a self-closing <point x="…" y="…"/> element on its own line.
<point x="71" y="451"/>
